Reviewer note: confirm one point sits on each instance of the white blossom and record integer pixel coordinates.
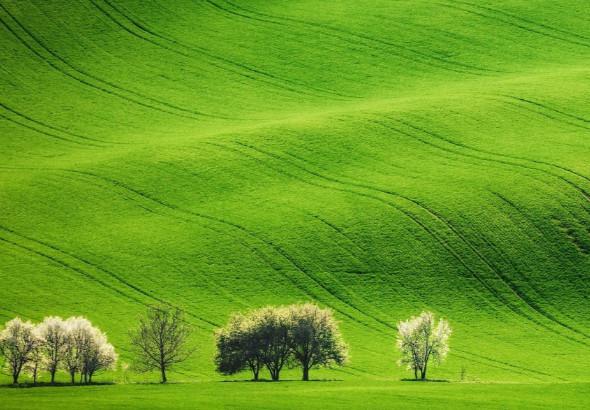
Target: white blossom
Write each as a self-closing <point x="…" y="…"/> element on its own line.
<point x="420" y="339"/>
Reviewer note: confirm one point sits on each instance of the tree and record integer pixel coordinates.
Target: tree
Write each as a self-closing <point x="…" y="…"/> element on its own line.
<point x="77" y="338"/>
<point x="238" y="347"/>
<point x="18" y="342"/>
<point x="53" y="334"/>
<point x="315" y="338"/>
<point x="99" y="355"/>
<point x="420" y="339"/>
<point x="86" y="350"/>
<point x="35" y="363"/>
<point x="271" y="326"/>
<point x="160" y="340"/>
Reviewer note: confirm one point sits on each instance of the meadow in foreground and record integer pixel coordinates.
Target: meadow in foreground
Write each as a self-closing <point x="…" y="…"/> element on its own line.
<point x="362" y="394"/>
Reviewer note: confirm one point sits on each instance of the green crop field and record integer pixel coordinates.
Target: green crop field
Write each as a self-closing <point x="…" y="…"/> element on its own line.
<point x="377" y="157"/>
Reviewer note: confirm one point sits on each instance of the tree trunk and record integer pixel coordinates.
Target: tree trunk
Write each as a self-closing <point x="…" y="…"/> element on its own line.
<point x="15" y="378"/>
<point x="423" y="374"/>
<point x="415" y="373"/>
<point x="52" y="376"/>
<point x="256" y="371"/>
<point x="90" y="378"/>
<point x="163" y="371"/>
<point x="305" y="373"/>
<point x="274" y="374"/>
<point x="73" y="376"/>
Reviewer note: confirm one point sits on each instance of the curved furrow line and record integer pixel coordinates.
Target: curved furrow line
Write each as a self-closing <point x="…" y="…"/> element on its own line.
<point x="551" y="109"/>
<point x="511" y="164"/>
<point x="581" y="190"/>
<point x="524" y="216"/>
<point x="69" y="267"/>
<point x="528" y="369"/>
<point x="283" y="82"/>
<point x="157" y="211"/>
<point x="51" y="135"/>
<point x="305" y="181"/>
<point x="366" y="41"/>
<point x="352" y="253"/>
<point x="271" y="246"/>
<point x="498" y="366"/>
<point x="216" y="59"/>
<point x="513" y="24"/>
<point x="255" y="73"/>
<point x="524" y="20"/>
<point x="217" y="288"/>
<point x="279" y="250"/>
<point x="88" y="79"/>
<point x="340" y="232"/>
<point x="51" y="127"/>
<point x="521" y="106"/>
<point x="366" y="306"/>
<point x="395" y="206"/>
<point x="49" y="248"/>
<point x="504" y="280"/>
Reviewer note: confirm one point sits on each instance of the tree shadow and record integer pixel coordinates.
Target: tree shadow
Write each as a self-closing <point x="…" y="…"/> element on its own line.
<point x="47" y="384"/>
<point x="426" y="380"/>
<point x="283" y="381"/>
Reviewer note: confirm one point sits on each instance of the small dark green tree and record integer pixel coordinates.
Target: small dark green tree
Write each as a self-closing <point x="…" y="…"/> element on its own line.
<point x="315" y="338"/>
<point x="238" y="347"/>
<point x="160" y="340"/>
<point x="272" y="328"/>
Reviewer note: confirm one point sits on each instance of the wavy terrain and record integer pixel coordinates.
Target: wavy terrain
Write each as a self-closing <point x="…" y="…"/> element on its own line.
<point x="380" y="158"/>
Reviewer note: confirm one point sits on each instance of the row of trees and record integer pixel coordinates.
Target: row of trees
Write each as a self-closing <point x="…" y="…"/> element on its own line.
<point x="274" y="338"/>
<point x="279" y="337"/>
<point x="74" y="345"/>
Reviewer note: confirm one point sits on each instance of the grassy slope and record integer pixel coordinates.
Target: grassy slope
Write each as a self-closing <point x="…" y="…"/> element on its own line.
<point x="380" y="160"/>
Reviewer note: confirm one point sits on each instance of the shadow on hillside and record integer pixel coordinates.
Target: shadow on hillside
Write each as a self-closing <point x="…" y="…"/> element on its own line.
<point x="426" y="381"/>
<point x="47" y="384"/>
<point x="283" y="381"/>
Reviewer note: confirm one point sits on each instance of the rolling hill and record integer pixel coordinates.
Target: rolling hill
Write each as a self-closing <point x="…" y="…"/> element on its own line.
<point x="379" y="158"/>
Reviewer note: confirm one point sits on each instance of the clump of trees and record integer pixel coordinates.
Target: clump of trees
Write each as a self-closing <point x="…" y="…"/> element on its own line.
<point x="279" y="337"/>
<point x="74" y="345"/>
<point x="422" y="341"/>
<point x="160" y="340"/>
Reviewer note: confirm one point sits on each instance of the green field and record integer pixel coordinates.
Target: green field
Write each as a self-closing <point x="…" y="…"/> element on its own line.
<point x="379" y="158"/>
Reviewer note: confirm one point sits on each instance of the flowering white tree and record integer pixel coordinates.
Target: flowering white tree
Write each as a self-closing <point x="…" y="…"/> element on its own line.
<point x="77" y="329"/>
<point x="99" y="355"/>
<point x="420" y="339"/>
<point x="18" y="342"/>
<point x="36" y="361"/>
<point x="86" y="350"/>
<point x="53" y="334"/>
